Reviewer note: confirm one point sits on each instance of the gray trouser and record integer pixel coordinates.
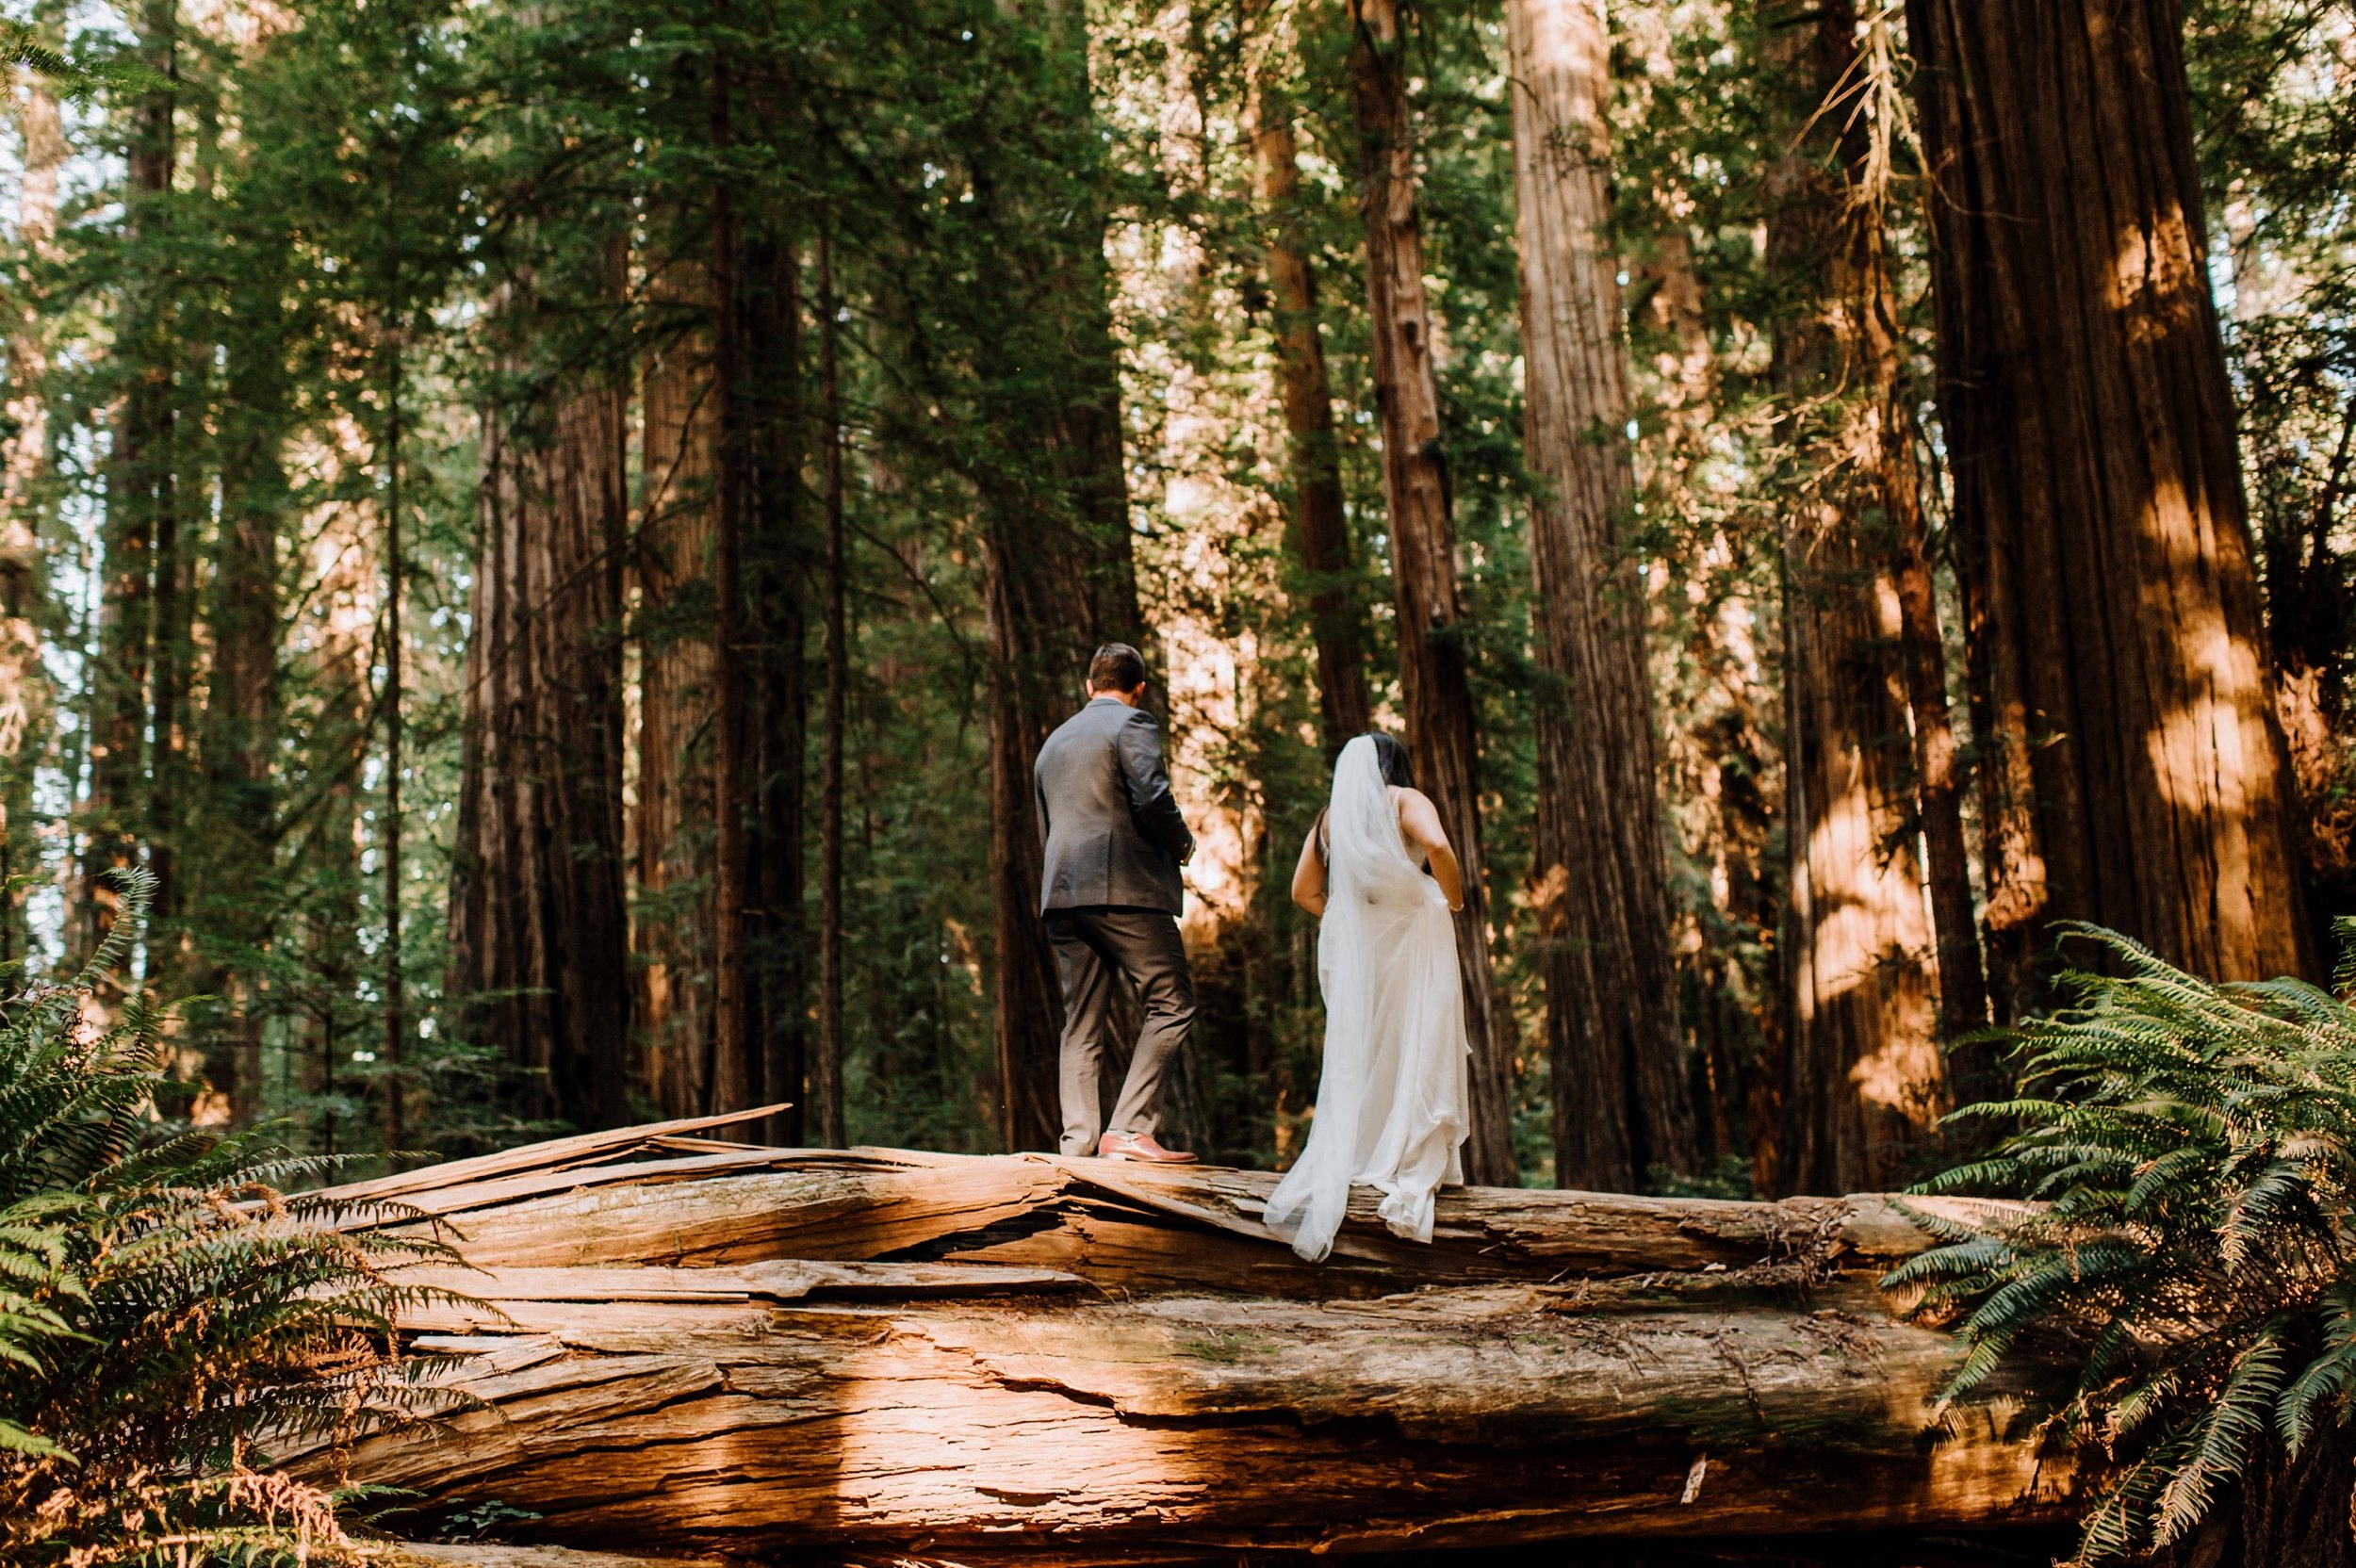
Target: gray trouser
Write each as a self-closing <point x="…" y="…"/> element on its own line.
<point x="1091" y="945"/>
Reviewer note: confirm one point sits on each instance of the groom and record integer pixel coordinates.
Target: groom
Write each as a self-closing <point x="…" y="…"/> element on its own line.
<point x="1111" y="897"/>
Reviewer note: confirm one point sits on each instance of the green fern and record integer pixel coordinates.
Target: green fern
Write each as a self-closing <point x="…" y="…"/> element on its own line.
<point x="168" y="1315"/>
<point x="2192" y="1152"/>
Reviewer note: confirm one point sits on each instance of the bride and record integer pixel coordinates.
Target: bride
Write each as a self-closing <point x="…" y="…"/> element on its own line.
<point x="1392" y="1103"/>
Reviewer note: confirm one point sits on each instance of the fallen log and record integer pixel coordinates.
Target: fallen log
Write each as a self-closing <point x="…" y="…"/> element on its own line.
<point x="671" y="1348"/>
<point x="475" y="1554"/>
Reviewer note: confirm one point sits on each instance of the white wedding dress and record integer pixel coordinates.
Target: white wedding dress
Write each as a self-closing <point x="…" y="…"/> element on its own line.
<point x="1392" y="1101"/>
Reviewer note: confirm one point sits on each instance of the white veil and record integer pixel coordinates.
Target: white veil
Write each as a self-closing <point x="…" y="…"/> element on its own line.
<point x="1391" y="1098"/>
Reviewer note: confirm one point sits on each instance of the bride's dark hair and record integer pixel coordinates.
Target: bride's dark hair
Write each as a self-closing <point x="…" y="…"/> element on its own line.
<point x="1397" y="767"/>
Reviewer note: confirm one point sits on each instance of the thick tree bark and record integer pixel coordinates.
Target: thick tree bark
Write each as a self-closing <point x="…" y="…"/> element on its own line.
<point x="672" y="935"/>
<point x="1863" y="1087"/>
<point x="737" y="1060"/>
<point x="1622" y="1103"/>
<point x="2132" y="768"/>
<point x="1937" y="767"/>
<point x="776" y="558"/>
<point x="1320" y="534"/>
<point x="1433" y="656"/>
<point x="997" y="1356"/>
<point x="539" y="949"/>
<point x="826" y="1078"/>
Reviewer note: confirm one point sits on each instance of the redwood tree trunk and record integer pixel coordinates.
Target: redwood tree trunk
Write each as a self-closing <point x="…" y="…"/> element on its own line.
<point x="25" y="719"/>
<point x="235" y="850"/>
<point x="138" y="485"/>
<point x="1938" y="771"/>
<point x="826" y="1078"/>
<point x="539" y="946"/>
<point x="1622" y="1105"/>
<point x="1433" y="657"/>
<point x="1863" y="1087"/>
<point x="672" y="934"/>
<point x="1320" y="527"/>
<point x="1060" y="573"/>
<point x="1864" y="1084"/>
<point x="2132" y="767"/>
<point x="776" y="559"/>
<point x="736" y="1066"/>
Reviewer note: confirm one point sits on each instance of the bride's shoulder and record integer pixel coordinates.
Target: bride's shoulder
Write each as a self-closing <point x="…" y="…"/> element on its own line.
<point x="1413" y="804"/>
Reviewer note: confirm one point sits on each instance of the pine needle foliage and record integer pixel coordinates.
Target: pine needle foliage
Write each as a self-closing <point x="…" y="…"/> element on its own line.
<point x="2191" y="1151"/>
<point x="21" y="49"/>
<point x="169" y="1315"/>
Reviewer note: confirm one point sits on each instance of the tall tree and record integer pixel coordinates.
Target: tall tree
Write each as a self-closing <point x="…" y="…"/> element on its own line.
<point x="238" y="814"/>
<point x="1060" y="574"/>
<point x="2132" y="766"/>
<point x="776" y="562"/>
<point x="538" y="940"/>
<point x="737" y="1067"/>
<point x="139" y="490"/>
<point x="1882" y="121"/>
<point x="25" y="694"/>
<point x="1432" y="655"/>
<point x="1320" y="534"/>
<point x="826" y="1078"/>
<point x="1622" y="1105"/>
<point x="672" y="933"/>
<point x="1862" y="1081"/>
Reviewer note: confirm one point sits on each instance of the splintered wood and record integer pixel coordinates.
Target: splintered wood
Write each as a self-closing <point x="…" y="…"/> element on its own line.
<point x="670" y="1345"/>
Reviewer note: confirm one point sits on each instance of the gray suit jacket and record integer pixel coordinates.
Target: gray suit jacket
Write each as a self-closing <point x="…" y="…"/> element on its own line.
<point x="1114" y="836"/>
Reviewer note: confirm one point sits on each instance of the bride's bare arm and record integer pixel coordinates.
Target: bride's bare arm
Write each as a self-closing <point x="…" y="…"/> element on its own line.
<point x="1419" y="825"/>
<point x="1309" y="875"/>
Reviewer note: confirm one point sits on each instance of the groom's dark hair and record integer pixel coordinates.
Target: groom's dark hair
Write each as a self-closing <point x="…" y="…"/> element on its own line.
<point x="1117" y="667"/>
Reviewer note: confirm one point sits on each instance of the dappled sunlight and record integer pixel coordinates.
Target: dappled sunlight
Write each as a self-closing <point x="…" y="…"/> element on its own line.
<point x="931" y="1429"/>
<point x="2152" y="279"/>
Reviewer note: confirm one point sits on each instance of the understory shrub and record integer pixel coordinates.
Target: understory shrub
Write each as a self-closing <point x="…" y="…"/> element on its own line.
<point x="170" y="1316"/>
<point x="2190" y="1149"/>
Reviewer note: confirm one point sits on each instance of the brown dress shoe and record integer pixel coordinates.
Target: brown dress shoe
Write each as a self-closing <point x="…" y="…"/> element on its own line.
<point x="1139" y="1146"/>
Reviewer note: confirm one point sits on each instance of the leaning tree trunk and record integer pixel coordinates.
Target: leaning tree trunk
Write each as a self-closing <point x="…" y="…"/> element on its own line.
<point x="539" y="946"/>
<point x="2133" y="769"/>
<point x="1616" y="1049"/>
<point x="683" y="1343"/>
<point x="1433" y="659"/>
<point x="1319" y="535"/>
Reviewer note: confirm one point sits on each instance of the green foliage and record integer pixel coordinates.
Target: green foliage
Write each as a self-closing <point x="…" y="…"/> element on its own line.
<point x="23" y="47"/>
<point x="169" y="1319"/>
<point x="2190" y="1149"/>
